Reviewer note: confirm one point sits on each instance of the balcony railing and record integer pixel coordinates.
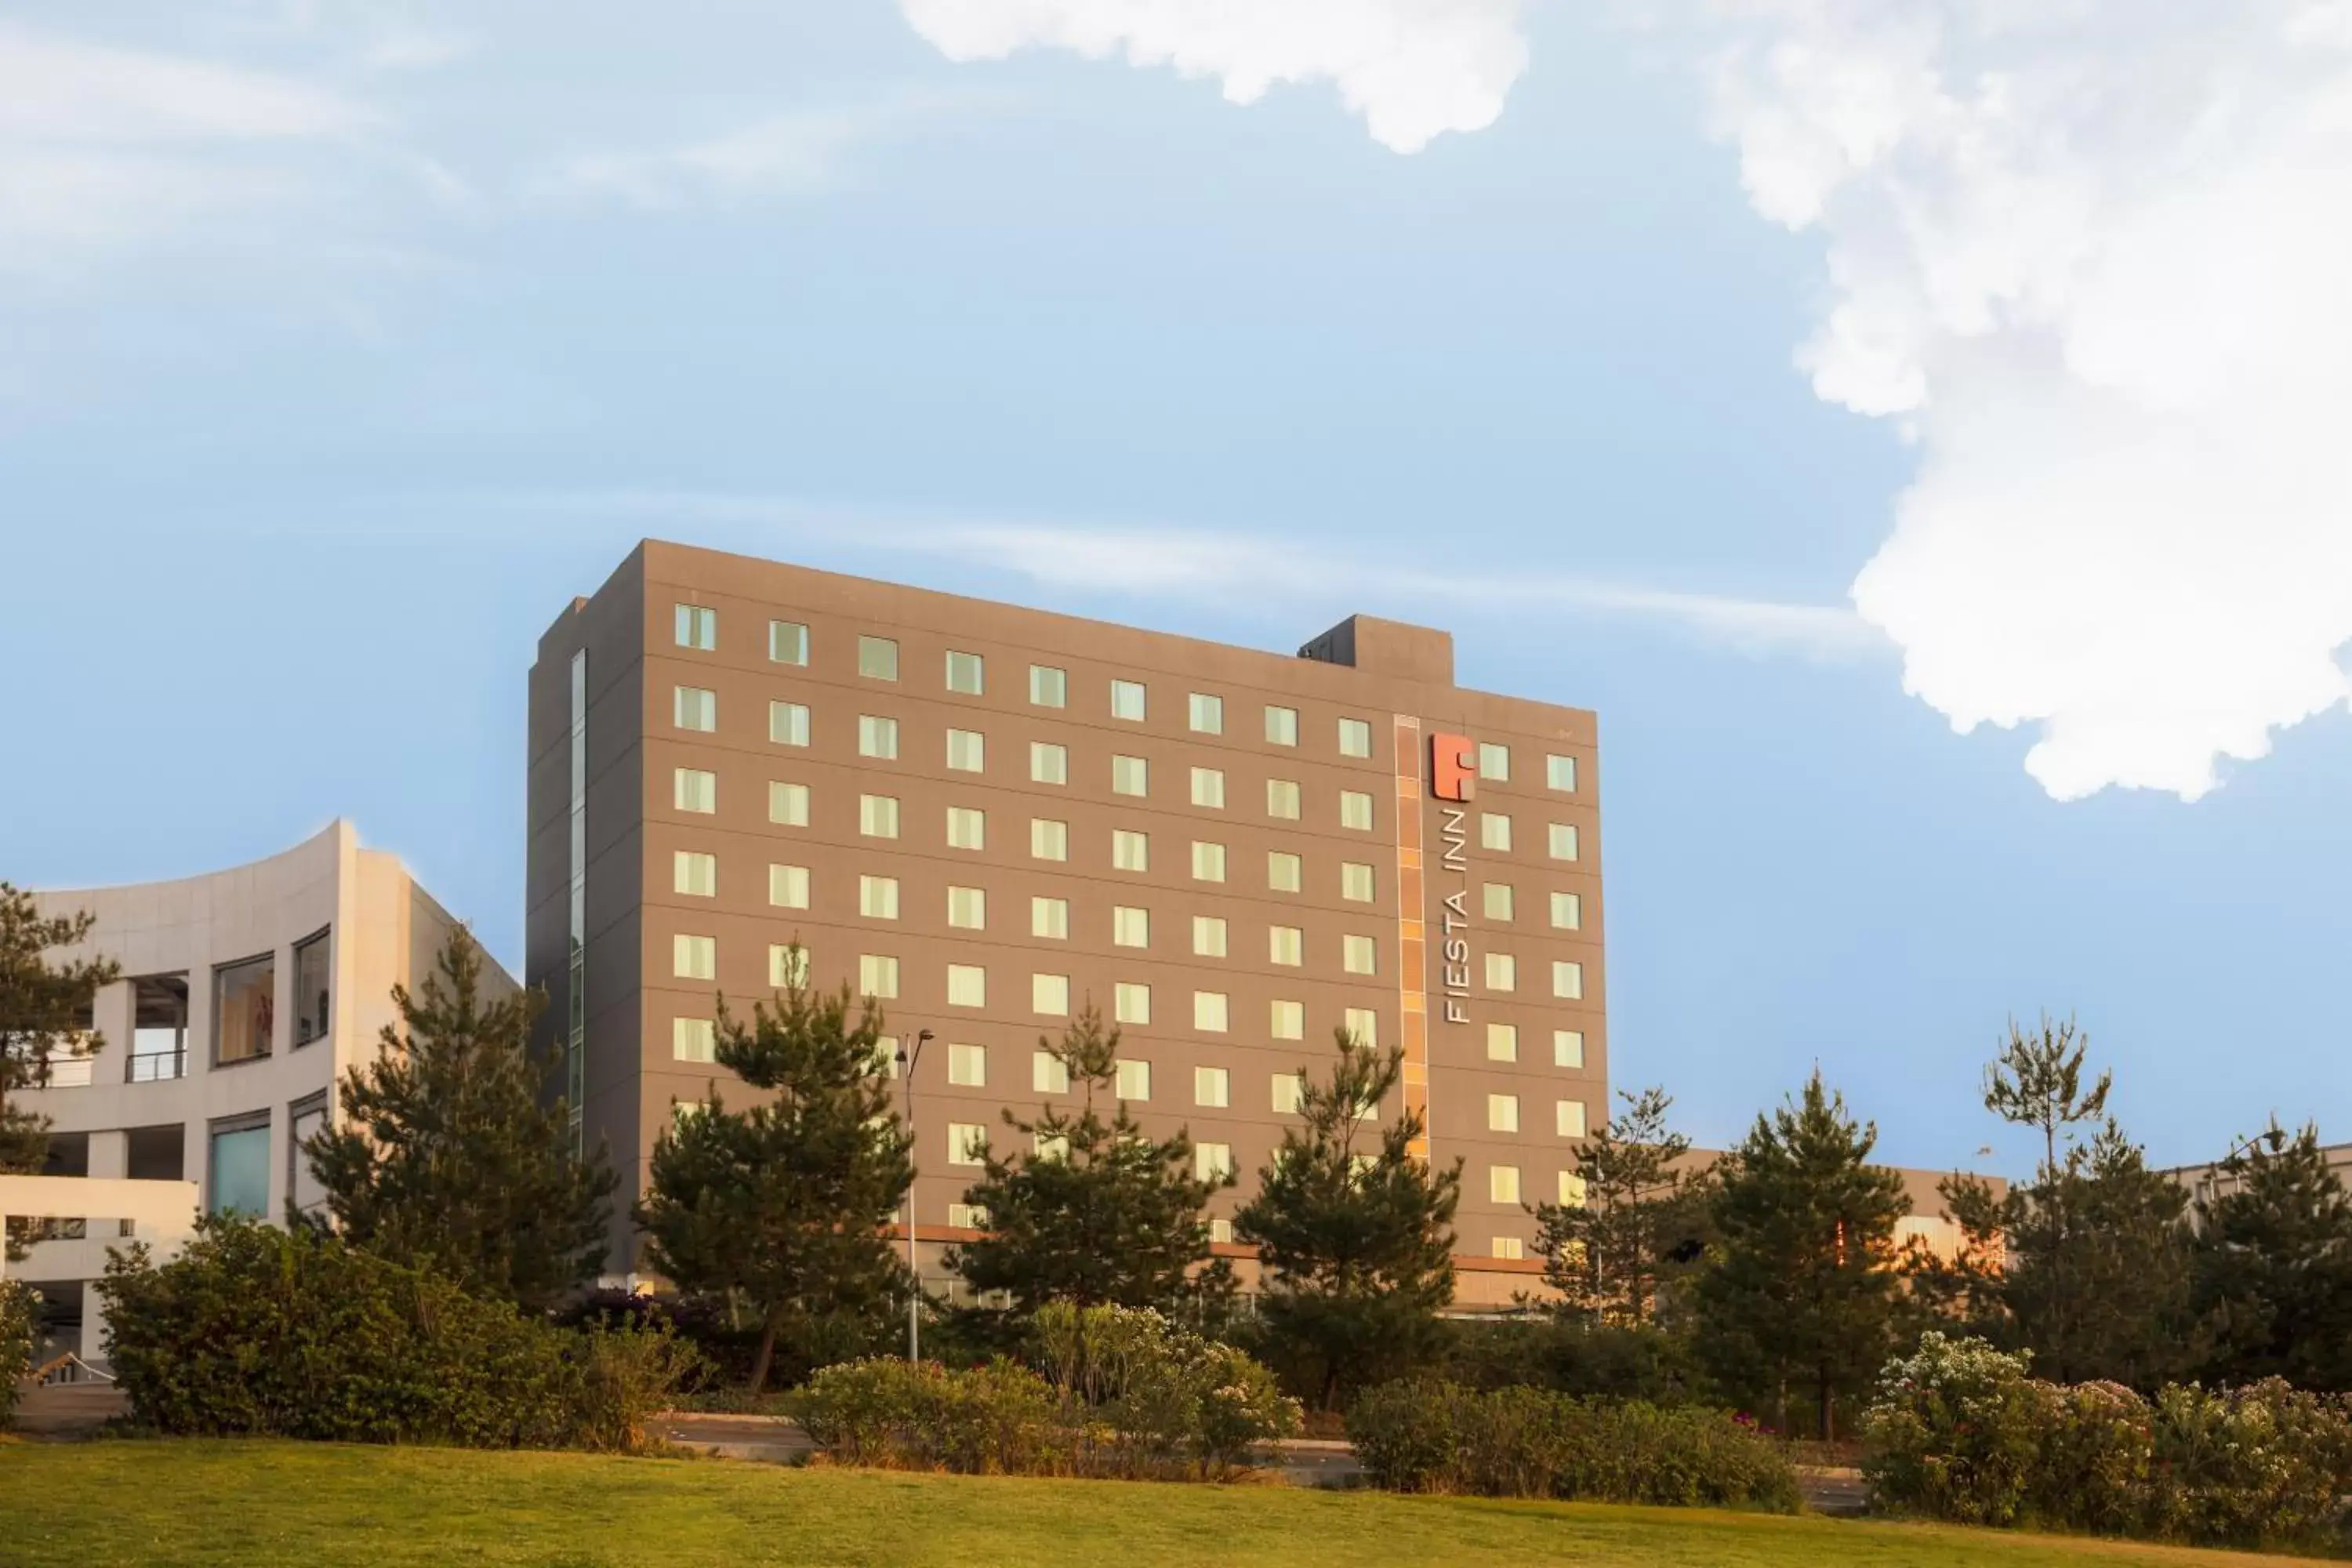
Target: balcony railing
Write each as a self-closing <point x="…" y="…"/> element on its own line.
<point x="155" y="1067"/>
<point x="70" y="1072"/>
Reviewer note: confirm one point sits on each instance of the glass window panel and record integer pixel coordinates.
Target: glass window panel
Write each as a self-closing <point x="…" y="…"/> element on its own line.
<point x="1129" y="851"/>
<point x="313" y="985"/>
<point x="693" y="957"/>
<point x="1208" y="936"/>
<point x="967" y="827"/>
<point x="877" y="898"/>
<point x="877" y="976"/>
<point x="1134" y="1080"/>
<point x="1502" y="1113"/>
<point x="1130" y="927"/>
<point x="1497" y="900"/>
<point x="1126" y="700"/>
<point x="877" y="736"/>
<point x="788" y="642"/>
<point x="1502" y="972"/>
<point x="967" y="673"/>
<point x="1285" y="944"/>
<point x="698" y="627"/>
<point x="1048" y="763"/>
<point x="1048" y="1074"/>
<point x="1049" y="840"/>
<point x="1050" y="993"/>
<point x="967" y="750"/>
<point x="1212" y="1087"/>
<point x="1494" y="831"/>
<point x="967" y="1065"/>
<point x="693" y="1040"/>
<point x="1208" y="861"/>
<point x="694" y="875"/>
<point x="1287" y="1021"/>
<point x="1209" y="788"/>
<point x="788" y="805"/>
<point x="1559" y="772"/>
<point x="1567" y="980"/>
<point x="1050" y="917"/>
<point x="1358" y="954"/>
<point x="695" y="790"/>
<point x="1207" y="714"/>
<point x="691" y="708"/>
<point x="1355" y="738"/>
<point x="1355" y="882"/>
<point x="877" y="659"/>
<point x="1563" y="841"/>
<point x="788" y="724"/>
<point x="1049" y="686"/>
<point x="240" y="1172"/>
<point x="1281" y="726"/>
<point x="1210" y="1011"/>
<point x="1568" y="1048"/>
<point x="1283" y="873"/>
<point x="788" y="887"/>
<point x="1130" y="1002"/>
<point x="1129" y="775"/>
<point x="1494" y="762"/>
<point x="245" y="1008"/>
<point x="1502" y="1042"/>
<point x="1356" y="810"/>
<point x="968" y="908"/>
<point x="877" y="816"/>
<point x="788" y="965"/>
<point x="1282" y="799"/>
<point x="1567" y="911"/>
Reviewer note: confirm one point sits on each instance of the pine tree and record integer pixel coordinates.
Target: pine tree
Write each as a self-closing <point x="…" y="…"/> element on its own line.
<point x="1607" y="1254"/>
<point x="41" y="1007"/>
<point x="2036" y="1081"/>
<point x="1801" y="1293"/>
<point x="447" y="1151"/>
<point x="1357" y="1248"/>
<point x="784" y="1205"/>
<point x="1092" y="1212"/>
<point x="2273" y="1265"/>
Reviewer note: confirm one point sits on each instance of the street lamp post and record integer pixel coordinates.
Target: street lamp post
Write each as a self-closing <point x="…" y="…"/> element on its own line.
<point x="907" y="1060"/>
<point x="2276" y="1138"/>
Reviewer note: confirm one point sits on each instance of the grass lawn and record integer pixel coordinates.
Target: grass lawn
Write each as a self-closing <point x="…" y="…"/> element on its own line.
<point x="83" y="1505"/>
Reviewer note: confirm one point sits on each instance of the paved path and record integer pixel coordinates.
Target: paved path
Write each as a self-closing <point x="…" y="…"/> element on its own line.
<point x="68" y="1409"/>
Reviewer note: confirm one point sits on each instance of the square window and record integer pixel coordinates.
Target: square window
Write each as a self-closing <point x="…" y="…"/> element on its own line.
<point x="1048" y="840"/>
<point x="967" y="827"/>
<point x="1355" y="882"/>
<point x="1213" y="1161"/>
<point x="788" y="965"/>
<point x="966" y="672"/>
<point x="1356" y="810"/>
<point x="967" y="986"/>
<point x="787" y="642"/>
<point x="1209" y="1010"/>
<point x="1288" y="1021"/>
<point x="1502" y="1042"/>
<point x="693" y="790"/>
<point x="1502" y="1113"/>
<point x="966" y="1139"/>
<point x="1050" y="917"/>
<point x="1494" y="762"/>
<point x="694" y="875"/>
<point x="1510" y="1248"/>
<point x="1572" y="1190"/>
<point x="967" y="1065"/>
<point x="1283" y="873"/>
<point x="1568" y="1048"/>
<point x="877" y="898"/>
<point x="698" y="627"/>
<point x="1283" y="945"/>
<point x="1563" y="841"/>
<point x="1363" y="1025"/>
<point x="1282" y="799"/>
<point x="1494" y="831"/>
<point x="1130" y="1002"/>
<point x="691" y="708"/>
<point x="1208" y="936"/>
<point x="1207" y="714"/>
<point x="1050" y="995"/>
<point x="967" y="750"/>
<point x="788" y="724"/>
<point x="1129" y="851"/>
<point x="693" y="957"/>
<point x="886" y="1055"/>
<point x="1559" y="773"/>
<point x="967" y="1216"/>
<point x="1358" y="954"/>
<point x="1129" y="775"/>
<point x="1281" y="726"/>
<point x="788" y="805"/>
<point x="1209" y="788"/>
<point x="693" y="1040"/>
<point x="788" y="887"/>
<point x="1221" y="1232"/>
<point x="1568" y="1114"/>
<point x="1503" y="1183"/>
<point x="1567" y="980"/>
<point x="1126" y="700"/>
<point x="877" y="659"/>
<point x="1502" y="972"/>
<point x="878" y="976"/>
<point x="1048" y="687"/>
<point x="1355" y="738"/>
<point x="1133" y="1080"/>
<point x="1497" y="900"/>
<point x="968" y="908"/>
<point x="1289" y="1093"/>
<point x="1048" y="763"/>
<point x="1567" y="911"/>
<point x="1048" y="1074"/>
<point x="1130" y="927"/>
<point x="1049" y="1148"/>
<point x="877" y="816"/>
<point x="1208" y="862"/>
<point x="876" y="737"/>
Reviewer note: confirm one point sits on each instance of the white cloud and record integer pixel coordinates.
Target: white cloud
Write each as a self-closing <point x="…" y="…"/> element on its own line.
<point x="1412" y="69"/>
<point x="2093" y="255"/>
<point x="1227" y="569"/>
<point x="792" y="154"/>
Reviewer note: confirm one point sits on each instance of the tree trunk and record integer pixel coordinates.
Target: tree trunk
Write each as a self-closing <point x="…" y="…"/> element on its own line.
<point x="1829" y="1410"/>
<point x="767" y="1351"/>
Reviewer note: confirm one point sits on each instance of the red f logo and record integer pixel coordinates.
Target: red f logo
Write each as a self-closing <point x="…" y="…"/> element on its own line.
<point x="1452" y="767"/>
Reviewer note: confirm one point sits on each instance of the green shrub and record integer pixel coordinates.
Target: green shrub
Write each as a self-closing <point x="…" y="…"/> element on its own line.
<point x="998" y="1419"/>
<point x="1526" y="1442"/>
<point x="1605" y="1361"/>
<point x="20" y="1329"/>
<point x="257" y="1331"/>
<point x="2266" y="1465"/>
<point x="1956" y="1432"/>
<point x="2095" y="1460"/>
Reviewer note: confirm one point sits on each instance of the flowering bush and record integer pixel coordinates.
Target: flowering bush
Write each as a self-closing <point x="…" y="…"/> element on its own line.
<point x="1955" y="1431"/>
<point x="998" y="1419"/>
<point x="20" y="1321"/>
<point x="1526" y="1442"/>
<point x="1958" y="1431"/>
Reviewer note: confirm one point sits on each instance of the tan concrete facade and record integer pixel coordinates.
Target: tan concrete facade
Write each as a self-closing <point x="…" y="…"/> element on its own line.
<point x="775" y="800"/>
<point x="331" y="925"/>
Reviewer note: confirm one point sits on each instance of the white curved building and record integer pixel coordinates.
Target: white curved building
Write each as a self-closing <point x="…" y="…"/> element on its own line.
<point x="245" y="995"/>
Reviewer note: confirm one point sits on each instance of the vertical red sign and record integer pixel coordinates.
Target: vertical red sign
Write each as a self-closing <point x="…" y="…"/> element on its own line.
<point x="1452" y="767"/>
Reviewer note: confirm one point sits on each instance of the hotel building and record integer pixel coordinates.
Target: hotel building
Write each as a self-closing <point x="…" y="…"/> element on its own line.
<point x="987" y="817"/>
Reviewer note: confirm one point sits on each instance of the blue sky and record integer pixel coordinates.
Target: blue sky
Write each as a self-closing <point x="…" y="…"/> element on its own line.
<point x="341" y="346"/>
